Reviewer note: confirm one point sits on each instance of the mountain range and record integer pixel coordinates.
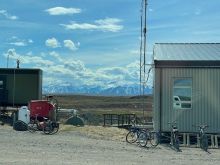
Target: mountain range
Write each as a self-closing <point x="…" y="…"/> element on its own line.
<point x="111" y="88"/>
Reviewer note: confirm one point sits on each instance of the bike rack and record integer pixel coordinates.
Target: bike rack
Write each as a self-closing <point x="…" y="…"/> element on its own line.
<point x="187" y="142"/>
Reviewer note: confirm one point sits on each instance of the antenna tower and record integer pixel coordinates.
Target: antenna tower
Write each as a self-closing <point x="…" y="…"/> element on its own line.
<point x="143" y="74"/>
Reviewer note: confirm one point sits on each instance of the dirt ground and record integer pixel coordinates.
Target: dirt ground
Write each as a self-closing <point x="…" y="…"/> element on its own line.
<point x="93" y="146"/>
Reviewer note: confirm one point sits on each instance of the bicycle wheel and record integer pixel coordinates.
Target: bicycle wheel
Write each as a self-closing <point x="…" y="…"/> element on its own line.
<point x="143" y="139"/>
<point x="131" y="137"/>
<point x="204" y="142"/>
<point x="154" y="138"/>
<point x="176" y="140"/>
<point x="32" y="126"/>
<point x="47" y="128"/>
<point x="55" y="128"/>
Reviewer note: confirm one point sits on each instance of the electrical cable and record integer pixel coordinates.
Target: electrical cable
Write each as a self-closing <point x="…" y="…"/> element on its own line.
<point x="181" y="21"/>
<point x="205" y="7"/>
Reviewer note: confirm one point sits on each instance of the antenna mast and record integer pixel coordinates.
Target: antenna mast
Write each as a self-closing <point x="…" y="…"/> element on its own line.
<point x="143" y="80"/>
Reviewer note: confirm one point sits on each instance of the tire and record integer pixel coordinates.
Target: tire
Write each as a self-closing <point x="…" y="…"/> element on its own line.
<point x="143" y="139"/>
<point x="176" y="140"/>
<point x="55" y="128"/>
<point x="204" y="142"/>
<point x="32" y="126"/>
<point x="47" y="128"/>
<point x="154" y="138"/>
<point x="131" y="137"/>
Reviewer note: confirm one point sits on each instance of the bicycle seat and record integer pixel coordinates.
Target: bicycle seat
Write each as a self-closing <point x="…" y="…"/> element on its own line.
<point x="45" y="118"/>
<point x="174" y="127"/>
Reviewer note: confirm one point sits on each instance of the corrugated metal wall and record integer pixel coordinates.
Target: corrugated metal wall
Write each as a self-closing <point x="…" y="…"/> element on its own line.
<point x="205" y="99"/>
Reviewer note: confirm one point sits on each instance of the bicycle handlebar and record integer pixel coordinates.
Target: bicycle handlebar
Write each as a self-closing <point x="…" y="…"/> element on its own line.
<point x="133" y="121"/>
<point x="37" y="114"/>
<point x="201" y="126"/>
<point x="173" y="123"/>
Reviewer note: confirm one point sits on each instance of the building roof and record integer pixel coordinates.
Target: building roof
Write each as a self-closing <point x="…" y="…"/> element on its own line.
<point x="20" y="70"/>
<point x="186" y="54"/>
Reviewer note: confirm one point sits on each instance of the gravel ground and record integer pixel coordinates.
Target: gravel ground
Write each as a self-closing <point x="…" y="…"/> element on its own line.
<point x="25" y="148"/>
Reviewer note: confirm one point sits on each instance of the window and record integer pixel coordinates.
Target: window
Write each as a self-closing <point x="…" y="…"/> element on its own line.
<point x="182" y="93"/>
<point x="1" y="82"/>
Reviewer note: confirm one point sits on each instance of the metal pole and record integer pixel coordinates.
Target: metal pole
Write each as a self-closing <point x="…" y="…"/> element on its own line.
<point x="7" y="60"/>
<point x="14" y="121"/>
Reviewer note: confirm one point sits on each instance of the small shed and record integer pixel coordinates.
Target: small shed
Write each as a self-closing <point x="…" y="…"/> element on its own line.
<point x="186" y="87"/>
<point x="19" y="86"/>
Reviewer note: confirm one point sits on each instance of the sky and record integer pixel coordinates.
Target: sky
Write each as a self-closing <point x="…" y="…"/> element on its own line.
<point x="95" y="42"/>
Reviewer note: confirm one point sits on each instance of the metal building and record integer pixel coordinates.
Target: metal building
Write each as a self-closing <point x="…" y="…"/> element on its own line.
<point x="19" y="86"/>
<point x="186" y="86"/>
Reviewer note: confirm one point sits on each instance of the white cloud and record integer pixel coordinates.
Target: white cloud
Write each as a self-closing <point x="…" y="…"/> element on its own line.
<point x="51" y="80"/>
<point x="29" y="53"/>
<point x="14" y="37"/>
<point x="7" y="15"/>
<point x="43" y="54"/>
<point x="134" y="65"/>
<point x="198" y="12"/>
<point x="39" y="61"/>
<point x="57" y="56"/>
<point x="108" y="24"/>
<point x="184" y="14"/>
<point x="74" y="65"/>
<point x="18" y="43"/>
<point x="30" y="41"/>
<point x="151" y="10"/>
<point x="26" y="59"/>
<point x="135" y="51"/>
<point x="76" y="71"/>
<point x="69" y="44"/>
<point x="52" y="43"/>
<point x="63" y="11"/>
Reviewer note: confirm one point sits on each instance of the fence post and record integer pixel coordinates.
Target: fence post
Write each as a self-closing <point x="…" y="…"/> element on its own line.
<point x="188" y="139"/>
<point x="198" y="140"/>
<point x="118" y="119"/>
<point x="184" y="139"/>
<point x="216" y="141"/>
<point x="104" y="119"/>
<point x="111" y="119"/>
<point x="212" y="141"/>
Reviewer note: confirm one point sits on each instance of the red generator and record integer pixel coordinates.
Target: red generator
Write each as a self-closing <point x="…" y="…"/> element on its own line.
<point x="40" y="107"/>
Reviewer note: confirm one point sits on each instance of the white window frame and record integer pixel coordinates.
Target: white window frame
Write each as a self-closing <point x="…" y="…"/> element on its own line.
<point x="180" y="102"/>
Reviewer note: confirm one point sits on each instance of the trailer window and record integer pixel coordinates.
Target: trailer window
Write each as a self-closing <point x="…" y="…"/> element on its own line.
<point x="182" y="93"/>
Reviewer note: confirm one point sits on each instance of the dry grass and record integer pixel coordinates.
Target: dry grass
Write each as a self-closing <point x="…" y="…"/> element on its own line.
<point x="103" y="103"/>
<point x="98" y="132"/>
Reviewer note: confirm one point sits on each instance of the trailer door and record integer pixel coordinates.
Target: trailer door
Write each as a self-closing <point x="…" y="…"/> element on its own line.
<point x="3" y="91"/>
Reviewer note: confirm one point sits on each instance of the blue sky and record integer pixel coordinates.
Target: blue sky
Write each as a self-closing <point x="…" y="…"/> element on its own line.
<point x="98" y="41"/>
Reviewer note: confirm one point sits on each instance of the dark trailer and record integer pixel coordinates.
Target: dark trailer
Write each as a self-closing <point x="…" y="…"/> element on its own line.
<point x="19" y="86"/>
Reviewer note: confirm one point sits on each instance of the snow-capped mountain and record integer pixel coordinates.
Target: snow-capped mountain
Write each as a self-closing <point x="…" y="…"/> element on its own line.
<point x="108" y="88"/>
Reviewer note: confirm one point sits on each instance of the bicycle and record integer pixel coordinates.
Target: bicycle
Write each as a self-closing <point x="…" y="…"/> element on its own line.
<point x="153" y="137"/>
<point x="174" y="135"/>
<point x="132" y="135"/>
<point x="202" y="137"/>
<point x="35" y="125"/>
<point x="47" y="126"/>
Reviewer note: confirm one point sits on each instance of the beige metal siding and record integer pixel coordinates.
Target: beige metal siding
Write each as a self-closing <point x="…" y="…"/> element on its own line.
<point x="205" y="99"/>
<point x="156" y="100"/>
